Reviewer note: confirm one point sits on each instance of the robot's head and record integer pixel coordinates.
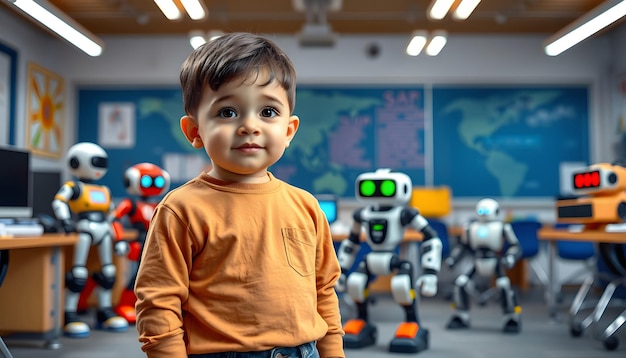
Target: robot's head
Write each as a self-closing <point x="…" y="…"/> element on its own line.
<point x="87" y="161"/>
<point x="146" y="179"/>
<point x="487" y="209"/>
<point x="598" y="179"/>
<point x="384" y="187"/>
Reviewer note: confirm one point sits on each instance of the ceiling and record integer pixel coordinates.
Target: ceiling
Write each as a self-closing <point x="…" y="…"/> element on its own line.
<point x="128" y="17"/>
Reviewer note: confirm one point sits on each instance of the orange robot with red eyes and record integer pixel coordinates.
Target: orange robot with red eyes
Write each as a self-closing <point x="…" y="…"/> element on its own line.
<point x="144" y="182"/>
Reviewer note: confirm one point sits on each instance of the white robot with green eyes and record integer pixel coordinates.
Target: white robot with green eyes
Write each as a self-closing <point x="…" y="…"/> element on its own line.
<point x="384" y="223"/>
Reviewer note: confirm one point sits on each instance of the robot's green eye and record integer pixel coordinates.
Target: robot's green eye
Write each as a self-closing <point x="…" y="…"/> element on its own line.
<point x="367" y="188"/>
<point x="388" y="188"/>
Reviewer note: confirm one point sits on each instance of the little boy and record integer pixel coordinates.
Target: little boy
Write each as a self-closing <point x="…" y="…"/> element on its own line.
<point x="238" y="263"/>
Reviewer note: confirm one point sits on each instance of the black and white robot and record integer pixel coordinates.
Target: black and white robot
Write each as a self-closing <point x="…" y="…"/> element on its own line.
<point x="83" y="206"/>
<point x="486" y="238"/>
<point x="384" y="222"/>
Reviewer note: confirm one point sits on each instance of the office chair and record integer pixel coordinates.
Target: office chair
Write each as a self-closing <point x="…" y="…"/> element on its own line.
<point x="526" y="232"/>
<point x="614" y="256"/>
<point x="442" y="229"/>
<point x="4" y="266"/>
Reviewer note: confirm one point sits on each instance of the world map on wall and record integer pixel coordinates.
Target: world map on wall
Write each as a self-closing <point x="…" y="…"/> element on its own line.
<point x="507" y="142"/>
<point x="346" y="131"/>
<point x="486" y="141"/>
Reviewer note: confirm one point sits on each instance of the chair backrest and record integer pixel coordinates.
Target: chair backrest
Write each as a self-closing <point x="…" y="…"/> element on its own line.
<point x="526" y="232"/>
<point x="574" y="250"/>
<point x="442" y="229"/>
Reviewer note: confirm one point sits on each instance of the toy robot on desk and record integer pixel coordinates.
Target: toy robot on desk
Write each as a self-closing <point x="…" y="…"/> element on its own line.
<point x="484" y="238"/>
<point x="90" y="204"/>
<point x="143" y="181"/>
<point x="384" y="223"/>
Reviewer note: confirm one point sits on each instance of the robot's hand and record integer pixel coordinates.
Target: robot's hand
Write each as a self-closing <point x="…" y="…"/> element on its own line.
<point x="340" y="286"/>
<point x="450" y="262"/>
<point x="68" y="226"/>
<point x="508" y="261"/>
<point x="427" y="285"/>
<point x="121" y="248"/>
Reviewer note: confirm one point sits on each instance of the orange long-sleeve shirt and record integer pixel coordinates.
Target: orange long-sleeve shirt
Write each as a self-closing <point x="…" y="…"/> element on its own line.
<point x="237" y="267"/>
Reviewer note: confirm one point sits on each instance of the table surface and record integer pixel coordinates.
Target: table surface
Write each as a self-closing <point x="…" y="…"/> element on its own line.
<point x="552" y="234"/>
<point x="45" y="240"/>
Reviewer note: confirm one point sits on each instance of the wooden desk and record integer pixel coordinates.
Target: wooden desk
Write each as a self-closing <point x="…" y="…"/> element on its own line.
<point x="553" y="235"/>
<point x="32" y="293"/>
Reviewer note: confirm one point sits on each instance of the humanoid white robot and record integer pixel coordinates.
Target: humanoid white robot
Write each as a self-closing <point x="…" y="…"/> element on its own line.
<point x="83" y="207"/>
<point x="384" y="223"/>
<point x="485" y="239"/>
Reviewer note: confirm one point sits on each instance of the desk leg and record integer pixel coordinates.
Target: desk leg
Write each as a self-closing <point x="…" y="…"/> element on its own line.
<point x="551" y="287"/>
<point x="57" y="264"/>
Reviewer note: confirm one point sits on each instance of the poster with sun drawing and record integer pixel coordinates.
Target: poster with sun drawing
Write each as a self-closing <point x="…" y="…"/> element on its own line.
<point x="44" y="112"/>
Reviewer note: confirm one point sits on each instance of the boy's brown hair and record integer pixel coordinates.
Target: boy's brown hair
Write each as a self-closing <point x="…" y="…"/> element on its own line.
<point x="230" y="56"/>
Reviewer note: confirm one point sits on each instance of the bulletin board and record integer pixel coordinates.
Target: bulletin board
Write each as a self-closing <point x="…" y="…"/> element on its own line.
<point x="499" y="141"/>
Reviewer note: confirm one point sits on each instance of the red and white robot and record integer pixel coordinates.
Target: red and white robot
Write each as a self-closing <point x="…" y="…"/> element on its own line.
<point x="485" y="238"/>
<point x="83" y="207"/>
<point x="144" y="182"/>
<point x="384" y="223"/>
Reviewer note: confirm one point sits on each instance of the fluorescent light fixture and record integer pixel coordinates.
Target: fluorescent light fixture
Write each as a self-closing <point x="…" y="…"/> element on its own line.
<point x="437" y="41"/>
<point x="595" y="20"/>
<point x="417" y="42"/>
<point x="465" y="9"/>
<point x="61" y="24"/>
<point x="194" y="9"/>
<point x="439" y="8"/>
<point x="196" y="39"/>
<point x="213" y="34"/>
<point x="169" y="9"/>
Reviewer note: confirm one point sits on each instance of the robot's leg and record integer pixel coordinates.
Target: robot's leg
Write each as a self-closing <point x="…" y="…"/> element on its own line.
<point x="83" y="300"/>
<point x="460" y="318"/>
<point x="107" y="319"/>
<point x="410" y="336"/>
<point x="359" y="332"/>
<point x="126" y="305"/>
<point x="512" y="311"/>
<point x="75" y="281"/>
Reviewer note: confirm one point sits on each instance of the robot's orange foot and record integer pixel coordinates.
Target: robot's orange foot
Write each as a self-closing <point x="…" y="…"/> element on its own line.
<point x="109" y="321"/>
<point x="127" y="312"/>
<point x="459" y="321"/>
<point x="512" y="325"/>
<point x="74" y="327"/>
<point x="359" y="334"/>
<point x="409" y="338"/>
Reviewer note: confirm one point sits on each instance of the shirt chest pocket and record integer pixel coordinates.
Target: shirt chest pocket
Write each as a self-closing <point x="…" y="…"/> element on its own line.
<point x="300" y="250"/>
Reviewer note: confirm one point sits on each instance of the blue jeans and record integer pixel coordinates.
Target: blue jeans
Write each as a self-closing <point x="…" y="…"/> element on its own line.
<point x="307" y="350"/>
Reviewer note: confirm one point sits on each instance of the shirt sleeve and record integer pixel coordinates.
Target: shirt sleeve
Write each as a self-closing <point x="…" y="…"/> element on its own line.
<point x="328" y="272"/>
<point x="161" y="286"/>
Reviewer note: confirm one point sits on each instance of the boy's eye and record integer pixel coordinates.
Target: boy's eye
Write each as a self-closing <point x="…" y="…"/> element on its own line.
<point x="228" y="113"/>
<point x="268" y="112"/>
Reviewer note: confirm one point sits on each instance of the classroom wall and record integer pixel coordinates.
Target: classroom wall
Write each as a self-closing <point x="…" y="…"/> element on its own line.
<point x="490" y="59"/>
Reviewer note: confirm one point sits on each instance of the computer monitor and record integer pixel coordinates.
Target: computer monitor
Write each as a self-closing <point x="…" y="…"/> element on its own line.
<point x="46" y="184"/>
<point x="328" y="203"/>
<point x="15" y="183"/>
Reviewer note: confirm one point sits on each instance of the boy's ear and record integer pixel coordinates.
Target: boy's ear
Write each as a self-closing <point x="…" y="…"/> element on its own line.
<point x="292" y="128"/>
<point x="190" y="128"/>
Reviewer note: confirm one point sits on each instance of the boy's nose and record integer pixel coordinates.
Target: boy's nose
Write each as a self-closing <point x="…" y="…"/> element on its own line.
<point x="249" y="125"/>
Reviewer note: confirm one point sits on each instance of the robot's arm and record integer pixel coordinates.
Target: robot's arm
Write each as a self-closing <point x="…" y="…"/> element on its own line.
<point x="431" y="243"/>
<point x="348" y="250"/>
<point x="350" y="247"/>
<point x="460" y="249"/>
<point x="61" y="207"/>
<point x="514" y="252"/>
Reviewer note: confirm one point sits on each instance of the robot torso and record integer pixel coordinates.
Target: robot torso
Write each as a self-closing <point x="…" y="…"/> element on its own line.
<point x="486" y="235"/>
<point x="383" y="228"/>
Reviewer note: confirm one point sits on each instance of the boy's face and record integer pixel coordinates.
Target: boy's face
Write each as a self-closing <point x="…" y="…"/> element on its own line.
<point x="243" y="126"/>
